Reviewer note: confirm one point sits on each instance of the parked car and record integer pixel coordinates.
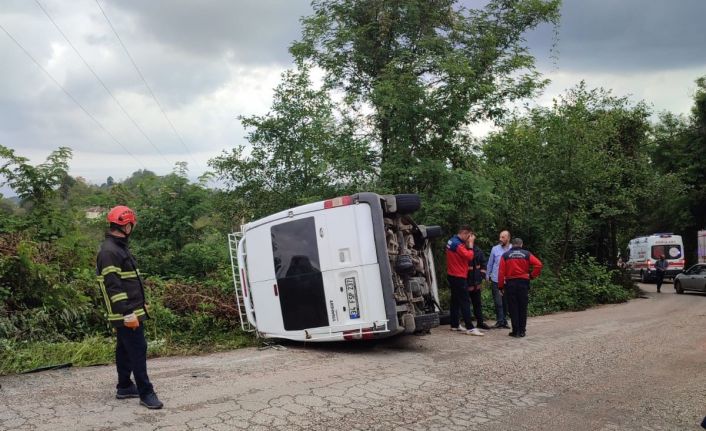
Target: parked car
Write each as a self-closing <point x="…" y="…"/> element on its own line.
<point x="346" y="268"/>
<point x="693" y="278"/>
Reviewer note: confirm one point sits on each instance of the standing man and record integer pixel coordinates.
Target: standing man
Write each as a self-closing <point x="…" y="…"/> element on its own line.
<point x="517" y="268"/>
<point x="661" y="266"/>
<point x="121" y="286"/>
<point x="499" y="299"/>
<point x="476" y="275"/>
<point x="459" y="254"/>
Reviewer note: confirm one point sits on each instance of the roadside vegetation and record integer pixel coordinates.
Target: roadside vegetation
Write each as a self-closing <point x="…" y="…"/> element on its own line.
<point x="402" y="83"/>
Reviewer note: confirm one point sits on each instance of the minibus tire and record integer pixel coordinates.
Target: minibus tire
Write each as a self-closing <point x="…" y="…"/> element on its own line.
<point x="444" y="318"/>
<point x="408" y="203"/>
<point x="434" y="232"/>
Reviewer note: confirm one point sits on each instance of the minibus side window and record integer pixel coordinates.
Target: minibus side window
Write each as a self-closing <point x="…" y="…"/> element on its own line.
<point x="295" y="253"/>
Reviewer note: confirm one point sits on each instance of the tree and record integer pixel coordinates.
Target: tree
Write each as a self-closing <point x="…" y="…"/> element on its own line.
<point x="426" y="68"/>
<point x="301" y="151"/>
<point x="678" y="154"/>
<point x="38" y="186"/>
<point x="571" y="176"/>
<point x="34" y="184"/>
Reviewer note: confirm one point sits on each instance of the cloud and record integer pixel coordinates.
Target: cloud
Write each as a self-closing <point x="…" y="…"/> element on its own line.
<point x="626" y="36"/>
<point x="247" y="32"/>
<point x="209" y="61"/>
<point x="670" y="90"/>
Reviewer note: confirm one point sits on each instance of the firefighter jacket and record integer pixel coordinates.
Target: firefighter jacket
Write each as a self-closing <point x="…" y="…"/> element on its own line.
<point x="517" y="263"/>
<point x="458" y="257"/>
<point x="119" y="281"/>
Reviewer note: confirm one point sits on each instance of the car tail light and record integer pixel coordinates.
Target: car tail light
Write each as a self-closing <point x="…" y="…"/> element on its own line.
<point x="340" y="201"/>
<point x="244" y="282"/>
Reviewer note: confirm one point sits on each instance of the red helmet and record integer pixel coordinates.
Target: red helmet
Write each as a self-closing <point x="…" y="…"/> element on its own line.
<point x="122" y="215"/>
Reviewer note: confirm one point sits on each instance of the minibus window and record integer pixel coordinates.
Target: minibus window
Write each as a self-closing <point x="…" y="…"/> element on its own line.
<point x="295" y="252"/>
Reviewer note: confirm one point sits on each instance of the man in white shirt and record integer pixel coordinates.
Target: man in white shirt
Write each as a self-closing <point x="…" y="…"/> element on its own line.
<point x="501" y="309"/>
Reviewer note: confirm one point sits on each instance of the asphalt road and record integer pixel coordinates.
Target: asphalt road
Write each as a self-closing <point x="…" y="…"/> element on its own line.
<point x="634" y="366"/>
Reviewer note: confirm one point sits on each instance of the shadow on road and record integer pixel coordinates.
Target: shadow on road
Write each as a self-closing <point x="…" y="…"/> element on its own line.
<point x="368" y="347"/>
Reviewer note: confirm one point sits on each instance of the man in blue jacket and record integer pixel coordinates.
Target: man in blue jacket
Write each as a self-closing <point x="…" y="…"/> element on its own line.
<point x="499" y="299"/>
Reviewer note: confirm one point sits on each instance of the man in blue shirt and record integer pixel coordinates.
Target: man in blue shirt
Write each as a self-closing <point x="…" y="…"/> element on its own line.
<point x="492" y="275"/>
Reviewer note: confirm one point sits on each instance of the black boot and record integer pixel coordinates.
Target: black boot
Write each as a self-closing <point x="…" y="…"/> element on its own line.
<point x="151" y="401"/>
<point x="129" y="392"/>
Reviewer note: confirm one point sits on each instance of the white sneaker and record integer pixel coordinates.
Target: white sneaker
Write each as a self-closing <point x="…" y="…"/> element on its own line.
<point x="475" y="331"/>
<point x="460" y="328"/>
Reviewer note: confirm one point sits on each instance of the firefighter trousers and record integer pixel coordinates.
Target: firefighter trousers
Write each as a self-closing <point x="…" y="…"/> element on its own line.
<point x="517" y="292"/>
<point x="131" y="358"/>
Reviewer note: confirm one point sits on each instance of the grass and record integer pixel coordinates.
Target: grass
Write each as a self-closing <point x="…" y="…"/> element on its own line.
<point x="19" y="357"/>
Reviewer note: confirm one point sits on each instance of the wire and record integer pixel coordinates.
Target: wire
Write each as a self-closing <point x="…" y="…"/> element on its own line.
<point x="144" y="81"/>
<point x="70" y="96"/>
<point x="105" y="87"/>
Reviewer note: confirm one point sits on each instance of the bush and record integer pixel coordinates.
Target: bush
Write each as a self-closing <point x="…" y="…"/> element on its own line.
<point x="583" y="284"/>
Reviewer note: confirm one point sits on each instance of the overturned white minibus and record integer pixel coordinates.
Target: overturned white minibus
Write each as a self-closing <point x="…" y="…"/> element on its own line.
<point x="346" y="268"/>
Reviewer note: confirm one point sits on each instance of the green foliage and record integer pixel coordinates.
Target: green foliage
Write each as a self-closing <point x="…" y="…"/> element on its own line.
<point x="38" y="187"/>
<point x="591" y="147"/>
<point x="302" y="151"/>
<point x="402" y="81"/>
<point x="50" y="308"/>
<point x="678" y="153"/>
<point x="583" y="284"/>
<point x="427" y="69"/>
<point x="16" y="357"/>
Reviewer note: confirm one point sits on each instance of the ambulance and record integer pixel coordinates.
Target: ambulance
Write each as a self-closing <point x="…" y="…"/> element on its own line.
<point x="353" y="267"/>
<point x="644" y="251"/>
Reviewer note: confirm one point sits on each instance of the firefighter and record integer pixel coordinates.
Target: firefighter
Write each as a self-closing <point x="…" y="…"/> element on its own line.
<point x="121" y="286"/>
<point x="517" y="268"/>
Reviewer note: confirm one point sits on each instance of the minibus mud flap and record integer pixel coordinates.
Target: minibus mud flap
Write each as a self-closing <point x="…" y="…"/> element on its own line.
<point x="388" y="292"/>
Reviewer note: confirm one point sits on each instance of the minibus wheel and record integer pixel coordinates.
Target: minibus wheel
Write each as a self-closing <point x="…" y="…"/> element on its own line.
<point x="408" y="203"/>
<point x="434" y="232"/>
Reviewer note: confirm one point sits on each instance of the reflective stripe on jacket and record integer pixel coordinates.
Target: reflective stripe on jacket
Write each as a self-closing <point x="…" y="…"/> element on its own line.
<point x="119" y="281"/>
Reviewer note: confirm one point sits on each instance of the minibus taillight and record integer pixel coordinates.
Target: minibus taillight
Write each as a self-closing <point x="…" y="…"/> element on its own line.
<point x="340" y="201"/>
<point x="359" y="334"/>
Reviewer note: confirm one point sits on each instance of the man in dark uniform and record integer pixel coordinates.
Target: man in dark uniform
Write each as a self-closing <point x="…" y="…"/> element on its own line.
<point x="124" y="295"/>
<point x="517" y="268"/>
<point x="476" y="275"/>
<point x="661" y="266"/>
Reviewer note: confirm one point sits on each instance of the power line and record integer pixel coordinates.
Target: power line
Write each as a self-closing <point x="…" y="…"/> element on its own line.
<point x="144" y="81"/>
<point x="70" y="96"/>
<point x="105" y="87"/>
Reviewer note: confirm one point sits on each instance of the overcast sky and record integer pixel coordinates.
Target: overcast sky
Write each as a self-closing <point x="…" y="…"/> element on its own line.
<point x="209" y="61"/>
